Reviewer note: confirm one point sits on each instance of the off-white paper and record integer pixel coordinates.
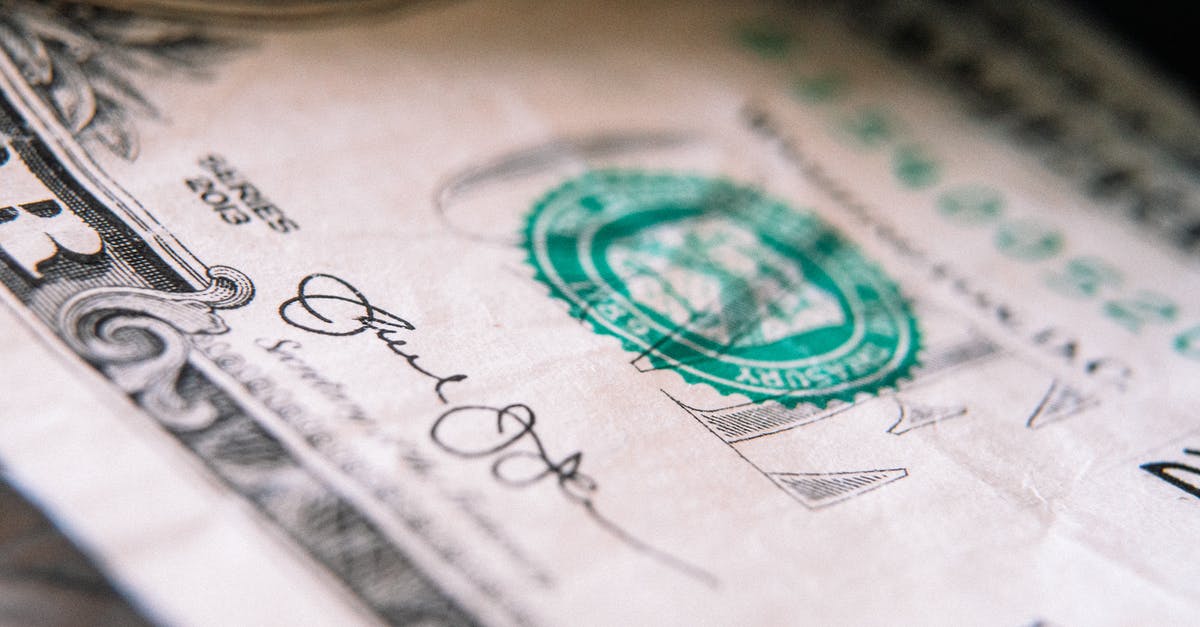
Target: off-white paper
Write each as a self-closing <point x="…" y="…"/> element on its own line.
<point x="605" y="313"/>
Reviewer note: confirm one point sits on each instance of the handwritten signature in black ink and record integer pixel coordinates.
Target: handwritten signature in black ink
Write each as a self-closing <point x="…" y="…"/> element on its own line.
<point x="327" y="305"/>
<point x="513" y="424"/>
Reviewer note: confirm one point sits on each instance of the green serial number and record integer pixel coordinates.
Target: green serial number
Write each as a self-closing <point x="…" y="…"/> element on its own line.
<point x="915" y="166"/>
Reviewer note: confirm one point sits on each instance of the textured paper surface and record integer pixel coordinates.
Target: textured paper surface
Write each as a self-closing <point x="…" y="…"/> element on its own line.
<point x="527" y="313"/>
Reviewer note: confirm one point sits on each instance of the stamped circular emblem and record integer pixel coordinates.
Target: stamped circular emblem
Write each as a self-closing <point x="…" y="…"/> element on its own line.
<point x="723" y="285"/>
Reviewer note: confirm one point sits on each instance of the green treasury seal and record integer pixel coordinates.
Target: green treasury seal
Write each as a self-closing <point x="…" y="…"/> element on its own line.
<point x="723" y="285"/>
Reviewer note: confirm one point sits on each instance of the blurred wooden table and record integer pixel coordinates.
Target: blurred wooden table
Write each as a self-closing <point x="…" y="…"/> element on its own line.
<point x="44" y="579"/>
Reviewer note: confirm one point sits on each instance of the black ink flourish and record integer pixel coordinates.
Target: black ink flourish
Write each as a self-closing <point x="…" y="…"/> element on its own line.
<point x="327" y="305"/>
<point x="514" y="424"/>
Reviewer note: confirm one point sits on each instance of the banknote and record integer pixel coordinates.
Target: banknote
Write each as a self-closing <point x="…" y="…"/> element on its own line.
<point x="527" y="313"/>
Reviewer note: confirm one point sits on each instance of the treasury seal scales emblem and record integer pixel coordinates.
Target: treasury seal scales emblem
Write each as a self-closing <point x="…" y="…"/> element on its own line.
<point x="722" y="284"/>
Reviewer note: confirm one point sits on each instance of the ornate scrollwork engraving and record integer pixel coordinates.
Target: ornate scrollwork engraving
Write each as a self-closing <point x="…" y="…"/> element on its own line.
<point x="137" y="336"/>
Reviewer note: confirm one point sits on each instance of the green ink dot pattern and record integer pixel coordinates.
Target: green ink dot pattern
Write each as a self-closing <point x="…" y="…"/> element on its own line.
<point x="1188" y="343"/>
<point x="767" y="41"/>
<point x="972" y="205"/>
<point x="969" y="205"/>
<point x="870" y="128"/>
<point x="914" y="168"/>
<point x="1140" y="310"/>
<point x="1084" y="277"/>
<point x="820" y="89"/>
<point x="1028" y="240"/>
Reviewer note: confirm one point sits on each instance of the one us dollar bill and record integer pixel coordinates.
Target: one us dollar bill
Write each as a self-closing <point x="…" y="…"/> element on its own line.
<point x="606" y="313"/>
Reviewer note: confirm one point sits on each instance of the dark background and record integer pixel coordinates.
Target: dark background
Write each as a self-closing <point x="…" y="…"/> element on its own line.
<point x="1166" y="33"/>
